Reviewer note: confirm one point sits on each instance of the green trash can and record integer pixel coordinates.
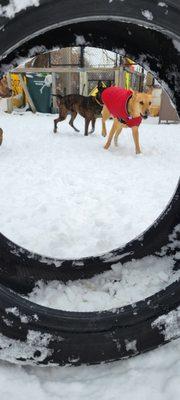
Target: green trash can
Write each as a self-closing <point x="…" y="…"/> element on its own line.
<point x="40" y="86"/>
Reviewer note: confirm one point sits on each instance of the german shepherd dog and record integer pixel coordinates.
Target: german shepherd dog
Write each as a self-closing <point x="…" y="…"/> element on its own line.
<point x="137" y="107"/>
<point x="5" y="92"/>
<point x="89" y="107"/>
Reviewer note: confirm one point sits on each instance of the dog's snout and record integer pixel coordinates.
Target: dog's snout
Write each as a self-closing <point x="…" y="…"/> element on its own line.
<point x="145" y="114"/>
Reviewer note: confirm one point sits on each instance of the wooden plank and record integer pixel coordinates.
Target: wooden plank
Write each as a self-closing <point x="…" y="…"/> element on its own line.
<point x="121" y="76"/>
<point x="117" y="77"/>
<point x="10" y="99"/>
<point x="61" y="70"/>
<point x="26" y="91"/>
<point x="83" y="86"/>
<point x="54" y="91"/>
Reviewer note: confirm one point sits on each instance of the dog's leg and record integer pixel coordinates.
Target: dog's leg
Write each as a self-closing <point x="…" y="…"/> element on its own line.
<point x="73" y="116"/>
<point x="119" y="130"/>
<point x="1" y="136"/>
<point x="62" y="116"/>
<point x="93" y="125"/>
<point x="135" y="132"/>
<point x="105" y="115"/>
<point x="87" y="121"/>
<point x="59" y="119"/>
<point x="55" y="123"/>
<point x="111" y="134"/>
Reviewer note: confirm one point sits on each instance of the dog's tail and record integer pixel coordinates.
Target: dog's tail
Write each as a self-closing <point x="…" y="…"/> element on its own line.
<point x="57" y="95"/>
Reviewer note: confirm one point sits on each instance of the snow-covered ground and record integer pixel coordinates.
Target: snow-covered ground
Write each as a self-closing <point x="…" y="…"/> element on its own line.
<point x="65" y="196"/>
<point x="152" y="376"/>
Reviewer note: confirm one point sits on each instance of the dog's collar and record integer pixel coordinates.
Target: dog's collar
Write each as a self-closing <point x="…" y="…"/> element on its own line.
<point x="130" y="120"/>
<point x="97" y="101"/>
<point x="127" y="103"/>
<point x="121" y="120"/>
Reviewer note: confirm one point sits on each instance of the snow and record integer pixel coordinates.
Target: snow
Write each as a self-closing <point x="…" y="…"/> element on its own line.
<point x="80" y="40"/>
<point x="16" y="6"/>
<point x="36" y="342"/>
<point x="147" y="14"/>
<point x="169" y="324"/>
<point x="154" y="375"/>
<point x="131" y="345"/>
<point x="123" y="285"/>
<point x="33" y="52"/>
<point x="70" y="197"/>
<point x="162" y="4"/>
<point x="65" y="196"/>
<point x="13" y="310"/>
<point x="24" y="319"/>
<point x="110" y="1"/>
<point x="176" y="44"/>
<point x="178" y="255"/>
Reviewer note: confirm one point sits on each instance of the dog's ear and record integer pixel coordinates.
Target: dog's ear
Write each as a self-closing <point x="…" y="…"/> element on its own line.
<point x="100" y="86"/>
<point x="134" y="92"/>
<point x="4" y="80"/>
<point x="148" y="89"/>
<point x="108" y="84"/>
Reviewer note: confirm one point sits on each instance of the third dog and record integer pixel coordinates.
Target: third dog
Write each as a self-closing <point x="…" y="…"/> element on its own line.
<point x="5" y="92"/>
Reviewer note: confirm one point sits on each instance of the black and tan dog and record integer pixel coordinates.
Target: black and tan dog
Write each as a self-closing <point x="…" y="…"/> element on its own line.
<point x="5" y="92"/>
<point x="89" y="107"/>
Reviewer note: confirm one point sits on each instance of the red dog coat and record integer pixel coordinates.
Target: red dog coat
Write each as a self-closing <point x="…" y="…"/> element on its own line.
<point x="115" y="99"/>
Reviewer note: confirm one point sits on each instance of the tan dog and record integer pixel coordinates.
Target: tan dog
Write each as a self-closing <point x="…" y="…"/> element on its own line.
<point x="5" y="92"/>
<point x="138" y="105"/>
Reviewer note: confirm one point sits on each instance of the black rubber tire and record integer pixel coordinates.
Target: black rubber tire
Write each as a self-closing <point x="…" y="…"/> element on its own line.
<point x="21" y="269"/>
<point x="37" y="335"/>
<point x="90" y="337"/>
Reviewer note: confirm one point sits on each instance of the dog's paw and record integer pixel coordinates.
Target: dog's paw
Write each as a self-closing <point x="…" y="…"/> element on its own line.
<point x="1" y="136"/>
